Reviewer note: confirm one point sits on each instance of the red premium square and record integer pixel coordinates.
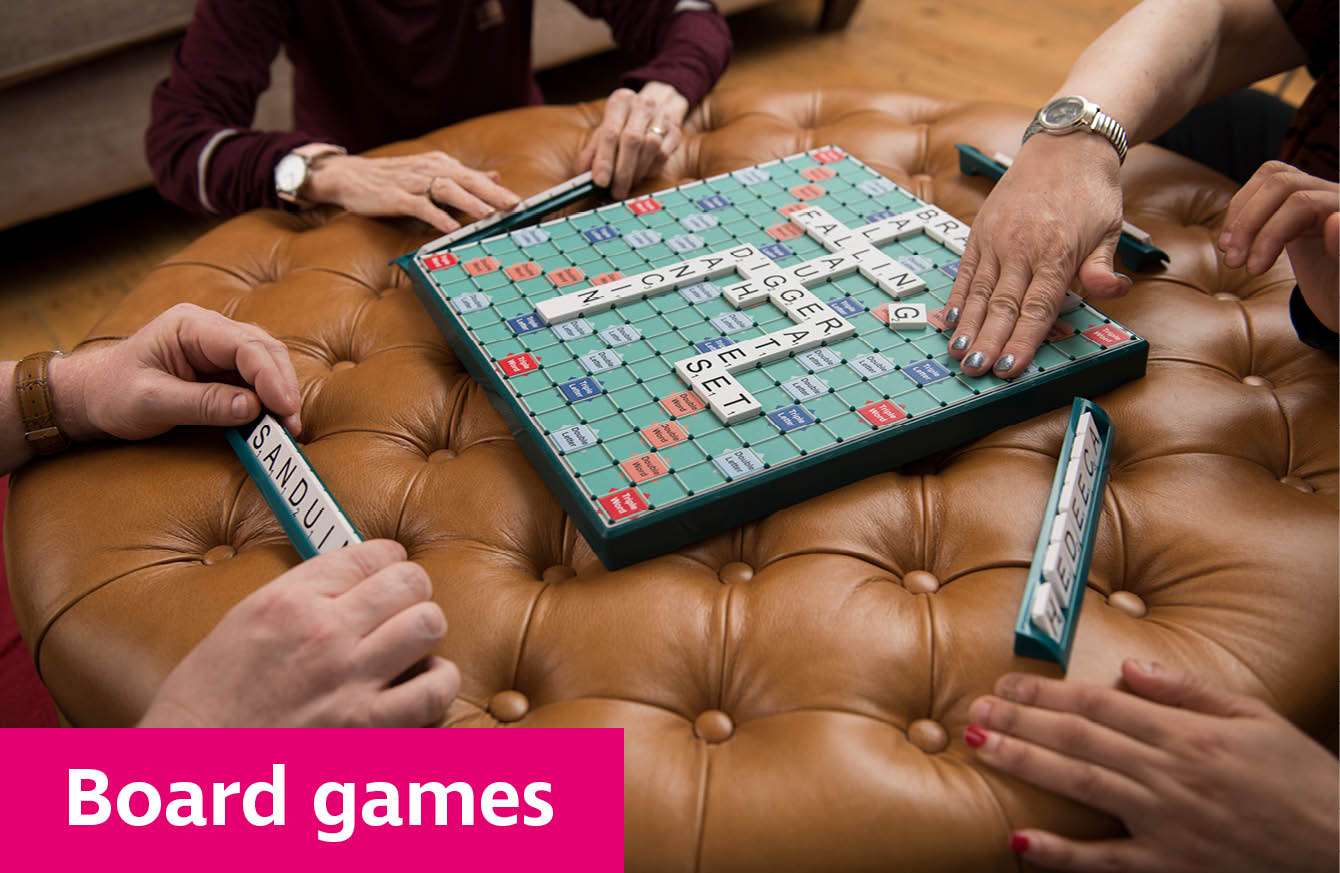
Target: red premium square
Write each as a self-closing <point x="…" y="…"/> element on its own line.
<point x="682" y="404"/>
<point x="1059" y="331"/>
<point x="623" y="504"/>
<point x="644" y="468"/>
<point x="440" y="262"/>
<point x="605" y="278"/>
<point x="567" y="276"/>
<point x="515" y="365"/>
<point x="664" y="434"/>
<point x="523" y="270"/>
<point x="937" y="318"/>
<point x="882" y="412"/>
<point x="1107" y="335"/>
<point x="817" y="174"/>
<point x="828" y="156"/>
<point x="807" y="192"/>
<point x="784" y="231"/>
<point x="645" y="206"/>
<point x="481" y="266"/>
<point x="790" y="209"/>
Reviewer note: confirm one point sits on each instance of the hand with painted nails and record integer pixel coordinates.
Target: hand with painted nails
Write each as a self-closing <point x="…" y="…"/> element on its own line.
<point x="1282" y="208"/>
<point x="639" y="132"/>
<point x="1054" y="216"/>
<point x="1203" y="780"/>
<point x="418" y="185"/>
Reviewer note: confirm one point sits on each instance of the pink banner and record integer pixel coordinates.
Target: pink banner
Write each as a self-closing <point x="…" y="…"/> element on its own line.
<point x="242" y="801"/>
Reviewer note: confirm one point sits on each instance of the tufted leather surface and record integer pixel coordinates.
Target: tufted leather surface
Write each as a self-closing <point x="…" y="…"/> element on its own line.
<point x="793" y="692"/>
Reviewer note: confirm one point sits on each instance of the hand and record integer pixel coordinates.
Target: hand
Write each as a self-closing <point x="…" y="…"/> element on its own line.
<point x="1282" y="207"/>
<point x="1054" y="215"/>
<point x="412" y="185"/>
<point x="626" y="147"/>
<point x="320" y="646"/>
<point x="151" y="381"/>
<point x="1202" y="779"/>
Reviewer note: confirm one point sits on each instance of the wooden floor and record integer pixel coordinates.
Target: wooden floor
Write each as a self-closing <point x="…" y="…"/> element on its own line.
<point x="59" y="275"/>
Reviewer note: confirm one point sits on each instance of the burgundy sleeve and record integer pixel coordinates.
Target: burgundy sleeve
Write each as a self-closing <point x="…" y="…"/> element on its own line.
<point x="688" y="50"/>
<point x="201" y="115"/>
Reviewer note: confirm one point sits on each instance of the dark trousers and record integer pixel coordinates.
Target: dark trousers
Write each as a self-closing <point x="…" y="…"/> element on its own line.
<point x="1234" y="134"/>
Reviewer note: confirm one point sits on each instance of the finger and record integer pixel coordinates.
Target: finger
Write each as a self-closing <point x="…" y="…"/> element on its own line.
<point x="1036" y="317"/>
<point x="449" y="192"/>
<point x="1302" y="212"/>
<point x="1115" y="709"/>
<point x="1082" y="781"/>
<point x="173" y="402"/>
<point x="1271" y="195"/>
<point x="1069" y="734"/>
<point x="673" y="140"/>
<point x="1172" y="687"/>
<point x="1097" y="273"/>
<point x="391" y="590"/>
<point x="1001" y="308"/>
<point x="632" y="140"/>
<point x="1331" y="235"/>
<point x="1036" y="308"/>
<point x="1246" y="193"/>
<point x="1098" y="856"/>
<point x="334" y="573"/>
<point x="607" y="136"/>
<point x="974" y="304"/>
<point x="401" y="641"/>
<point x="486" y="188"/>
<point x="421" y="701"/>
<point x="967" y="268"/>
<point x="426" y="211"/>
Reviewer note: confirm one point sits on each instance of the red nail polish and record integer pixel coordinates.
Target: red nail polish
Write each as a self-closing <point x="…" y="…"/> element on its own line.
<point x="1018" y="843"/>
<point x="974" y="736"/>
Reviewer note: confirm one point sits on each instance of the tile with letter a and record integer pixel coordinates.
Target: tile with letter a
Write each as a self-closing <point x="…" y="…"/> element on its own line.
<point x="573" y="439"/>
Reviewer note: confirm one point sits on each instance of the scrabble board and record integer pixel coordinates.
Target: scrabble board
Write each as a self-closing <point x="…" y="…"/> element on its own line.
<point x="679" y="363"/>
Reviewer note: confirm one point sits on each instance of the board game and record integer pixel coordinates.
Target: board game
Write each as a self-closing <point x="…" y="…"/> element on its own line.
<point x="680" y="363"/>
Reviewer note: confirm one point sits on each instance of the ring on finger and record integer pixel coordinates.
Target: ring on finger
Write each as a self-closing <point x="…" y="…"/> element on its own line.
<point x="428" y="192"/>
<point x="657" y="130"/>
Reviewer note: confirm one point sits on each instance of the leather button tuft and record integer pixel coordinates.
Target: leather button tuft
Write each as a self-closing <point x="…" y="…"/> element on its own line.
<point x="1257" y="381"/>
<point x="1128" y="602"/>
<point x="928" y="735"/>
<point x="921" y="582"/>
<point x="735" y="572"/>
<point x="714" y="726"/>
<point x="1301" y="484"/>
<point x="218" y="555"/>
<point x="557" y="573"/>
<point x="509" y="706"/>
<point x="440" y="456"/>
<point x="1227" y="297"/>
<point x="341" y="365"/>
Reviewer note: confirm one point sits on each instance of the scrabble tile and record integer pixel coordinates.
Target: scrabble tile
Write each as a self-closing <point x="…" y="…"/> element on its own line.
<point x="908" y="316"/>
<point x="1044" y="612"/>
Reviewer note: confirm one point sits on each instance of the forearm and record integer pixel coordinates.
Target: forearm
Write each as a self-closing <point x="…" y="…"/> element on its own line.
<point x="1164" y="57"/>
<point x="691" y="56"/>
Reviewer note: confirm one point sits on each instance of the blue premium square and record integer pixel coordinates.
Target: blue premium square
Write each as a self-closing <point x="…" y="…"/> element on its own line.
<point x="577" y="390"/>
<point x="846" y="306"/>
<point x="716" y="201"/>
<point x="776" y="251"/>
<point x="604" y="233"/>
<point x="926" y="372"/>
<point x="716" y="342"/>
<point x="525" y="323"/>
<point x="791" y="418"/>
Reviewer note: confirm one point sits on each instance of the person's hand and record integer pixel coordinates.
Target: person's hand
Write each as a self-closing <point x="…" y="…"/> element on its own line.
<point x="322" y="645"/>
<point x="164" y="375"/>
<point x="1056" y="214"/>
<point x="639" y="132"/>
<point x="1203" y="780"/>
<point x="1279" y="208"/>
<point x="417" y="185"/>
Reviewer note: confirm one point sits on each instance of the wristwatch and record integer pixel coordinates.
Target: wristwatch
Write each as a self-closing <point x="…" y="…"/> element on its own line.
<point x="1069" y="114"/>
<point x="293" y="169"/>
<point x="40" y="429"/>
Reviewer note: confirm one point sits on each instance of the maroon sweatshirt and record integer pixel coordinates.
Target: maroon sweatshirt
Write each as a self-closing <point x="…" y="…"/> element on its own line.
<point x="368" y="73"/>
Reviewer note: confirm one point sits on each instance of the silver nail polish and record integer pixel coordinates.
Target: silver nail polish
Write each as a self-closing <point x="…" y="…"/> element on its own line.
<point x="1127" y="278"/>
<point x="973" y="361"/>
<point x="1005" y="363"/>
<point x="959" y="344"/>
<point x="951" y="315"/>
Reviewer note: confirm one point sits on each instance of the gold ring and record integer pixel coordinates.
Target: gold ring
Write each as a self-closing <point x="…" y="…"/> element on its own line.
<point x="428" y="192"/>
<point x="658" y="130"/>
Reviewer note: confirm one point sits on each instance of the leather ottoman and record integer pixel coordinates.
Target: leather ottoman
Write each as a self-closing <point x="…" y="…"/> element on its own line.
<point x="793" y="693"/>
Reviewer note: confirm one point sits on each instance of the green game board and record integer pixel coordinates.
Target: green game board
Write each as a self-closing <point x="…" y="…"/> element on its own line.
<point x="575" y="326"/>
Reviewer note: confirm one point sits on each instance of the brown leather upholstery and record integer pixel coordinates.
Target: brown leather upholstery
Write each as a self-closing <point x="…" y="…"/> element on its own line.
<point x="794" y="692"/>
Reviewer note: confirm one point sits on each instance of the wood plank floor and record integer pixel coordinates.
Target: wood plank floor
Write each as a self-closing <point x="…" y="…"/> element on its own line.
<point x="59" y="275"/>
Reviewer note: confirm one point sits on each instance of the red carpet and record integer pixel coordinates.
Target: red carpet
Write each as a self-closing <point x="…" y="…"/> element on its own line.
<point x="23" y="700"/>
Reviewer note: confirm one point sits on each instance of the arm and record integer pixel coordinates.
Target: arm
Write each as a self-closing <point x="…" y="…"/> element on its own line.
<point x="1056" y="215"/>
<point x="160" y="378"/>
<point x="204" y="156"/>
<point x="686" y="44"/>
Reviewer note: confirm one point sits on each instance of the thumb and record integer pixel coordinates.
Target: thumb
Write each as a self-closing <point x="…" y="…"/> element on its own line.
<point x="1097" y="274"/>
<point x="1172" y="687"/>
<point x="179" y="402"/>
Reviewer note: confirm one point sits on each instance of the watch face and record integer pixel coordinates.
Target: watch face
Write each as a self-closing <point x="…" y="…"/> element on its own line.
<point x="290" y="173"/>
<point x="1063" y="112"/>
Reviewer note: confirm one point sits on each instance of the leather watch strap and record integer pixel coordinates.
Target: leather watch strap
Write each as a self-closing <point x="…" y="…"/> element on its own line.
<point x="31" y="384"/>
